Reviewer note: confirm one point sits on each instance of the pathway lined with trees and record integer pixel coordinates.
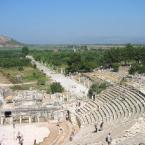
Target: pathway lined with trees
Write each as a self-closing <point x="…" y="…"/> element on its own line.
<point x="69" y="84"/>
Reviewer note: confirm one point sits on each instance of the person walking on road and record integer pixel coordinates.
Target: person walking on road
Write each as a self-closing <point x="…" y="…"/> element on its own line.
<point x="109" y="139"/>
<point x="101" y="126"/>
<point x="96" y="127"/>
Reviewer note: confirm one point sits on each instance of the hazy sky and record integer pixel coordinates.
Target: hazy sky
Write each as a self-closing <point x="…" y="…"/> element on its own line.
<point x="72" y="21"/>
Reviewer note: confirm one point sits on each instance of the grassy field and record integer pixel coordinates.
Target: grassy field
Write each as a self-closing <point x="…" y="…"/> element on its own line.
<point x="3" y="79"/>
<point x="31" y="77"/>
<point x="27" y="74"/>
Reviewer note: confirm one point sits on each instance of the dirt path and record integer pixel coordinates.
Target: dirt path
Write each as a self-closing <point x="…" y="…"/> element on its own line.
<point x="10" y="85"/>
<point x="69" y="84"/>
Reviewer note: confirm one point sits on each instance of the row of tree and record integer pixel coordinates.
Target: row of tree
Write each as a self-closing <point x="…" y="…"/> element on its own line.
<point x="126" y="55"/>
<point x="14" y="58"/>
<point x="87" y="60"/>
<point x="81" y="61"/>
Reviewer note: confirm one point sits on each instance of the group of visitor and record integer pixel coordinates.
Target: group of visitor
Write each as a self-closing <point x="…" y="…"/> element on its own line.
<point x="100" y="128"/>
<point x="72" y="135"/>
<point x="78" y="105"/>
<point x="20" y="138"/>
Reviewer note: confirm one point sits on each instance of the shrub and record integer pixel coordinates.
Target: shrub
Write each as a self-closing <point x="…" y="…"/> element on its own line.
<point x="115" y="67"/>
<point x="20" y="68"/>
<point x="137" y="68"/>
<point x="96" y="88"/>
<point x="34" y="66"/>
<point x="56" y="88"/>
<point x="25" y="51"/>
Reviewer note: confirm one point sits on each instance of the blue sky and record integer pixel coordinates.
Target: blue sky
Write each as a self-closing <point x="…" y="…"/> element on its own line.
<point x="73" y="21"/>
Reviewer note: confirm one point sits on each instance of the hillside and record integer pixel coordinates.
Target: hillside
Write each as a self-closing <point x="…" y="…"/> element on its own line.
<point x="9" y="42"/>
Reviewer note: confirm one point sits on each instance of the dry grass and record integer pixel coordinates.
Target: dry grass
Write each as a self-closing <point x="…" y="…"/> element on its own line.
<point x="3" y="79"/>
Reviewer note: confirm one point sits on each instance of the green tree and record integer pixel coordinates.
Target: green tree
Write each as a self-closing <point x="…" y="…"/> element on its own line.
<point x="25" y="51"/>
<point x="96" y="88"/>
<point x="20" y="68"/>
<point x="84" y="47"/>
<point x="115" y="67"/>
<point x="56" y="88"/>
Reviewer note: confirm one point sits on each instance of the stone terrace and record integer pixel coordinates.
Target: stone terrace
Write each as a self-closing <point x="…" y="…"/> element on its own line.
<point x="118" y="107"/>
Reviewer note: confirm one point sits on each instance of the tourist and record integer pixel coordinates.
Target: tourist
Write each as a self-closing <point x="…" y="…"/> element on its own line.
<point x="19" y="136"/>
<point x="109" y="139"/>
<point x="101" y="126"/>
<point x="68" y="112"/>
<point x="57" y="124"/>
<point x="21" y="141"/>
<point x="13" y="125"/>
<point x="67" y="115"/>
<point x="71" y="136"/>
<point x="67" y="118"/>
<point x="96" y="127"/>
<point x="73" y="132"/>
<point x="78" y="109"/>
<point x="60" y="128"/>
<point x="79" y="103"/>
<point x="35" y="142"/>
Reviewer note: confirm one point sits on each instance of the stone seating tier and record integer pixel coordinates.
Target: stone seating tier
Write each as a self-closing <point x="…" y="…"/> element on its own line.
<point x="118" y="103"/>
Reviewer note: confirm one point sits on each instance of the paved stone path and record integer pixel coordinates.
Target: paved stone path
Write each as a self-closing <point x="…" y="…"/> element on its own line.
<point x="30" y="132"/>
<point x="69" y="84"/>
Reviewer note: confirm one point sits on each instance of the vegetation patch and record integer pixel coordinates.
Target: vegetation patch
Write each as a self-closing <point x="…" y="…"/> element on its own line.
<point x="84" y="60"/>
<point x="96" y="88"/>
<point x="56" y="87"/>
<point x="18" y="70"/>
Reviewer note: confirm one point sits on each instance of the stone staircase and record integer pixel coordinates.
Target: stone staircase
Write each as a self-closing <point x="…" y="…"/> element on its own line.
<point x="118" y="107"/>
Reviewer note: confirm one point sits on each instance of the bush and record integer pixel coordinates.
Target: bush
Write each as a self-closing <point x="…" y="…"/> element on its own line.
<point x="96" y="88"/>
<point x="35" y="75"/>
<point x="20" y="68"/>
<point x="115" y="67"/>
<point x="141" y="143"/>
<point x="34" y="66"/>
<point x="56" y="88"/>
<point x="25" y="51"/>
<point x="103" y="85"/>
<point x="137" y="68"/>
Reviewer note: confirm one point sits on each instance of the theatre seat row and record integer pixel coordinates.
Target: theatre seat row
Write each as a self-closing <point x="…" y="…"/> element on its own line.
<point x="118" y="103"/>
